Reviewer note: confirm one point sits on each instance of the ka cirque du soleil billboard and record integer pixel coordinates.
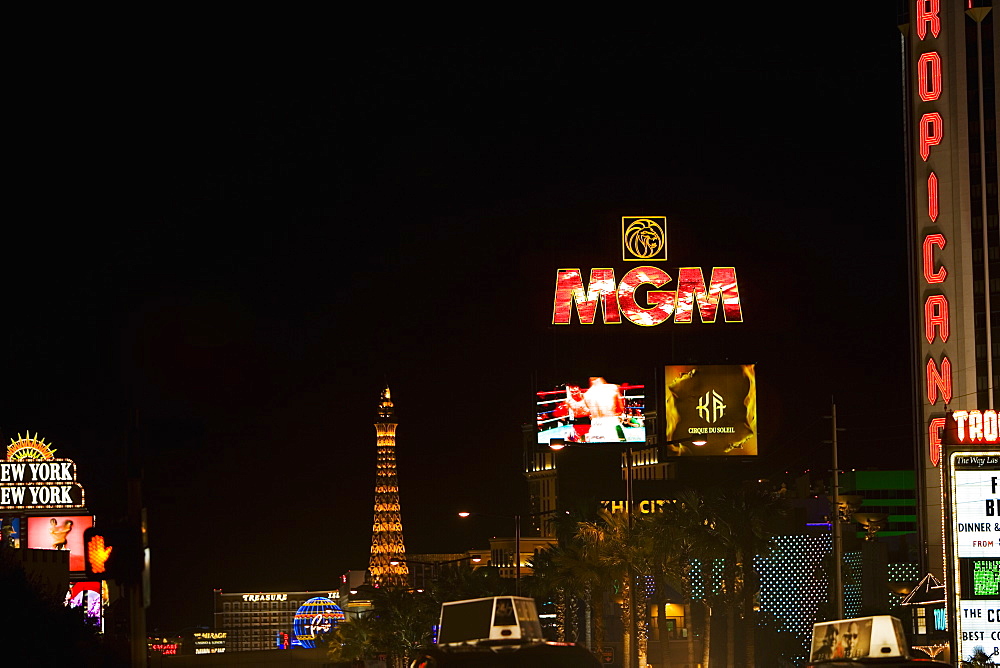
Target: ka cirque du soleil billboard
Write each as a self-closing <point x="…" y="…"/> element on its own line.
<point x="593" y="409"/>
<point x="713" y="405"/>
<point x="60" y="532"/>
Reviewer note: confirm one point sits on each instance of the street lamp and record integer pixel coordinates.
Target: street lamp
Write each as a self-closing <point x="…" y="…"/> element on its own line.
<point x="517" y="538"/>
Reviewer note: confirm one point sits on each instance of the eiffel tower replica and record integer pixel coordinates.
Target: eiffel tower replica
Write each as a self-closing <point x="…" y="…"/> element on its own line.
<point x="387" y="529"/>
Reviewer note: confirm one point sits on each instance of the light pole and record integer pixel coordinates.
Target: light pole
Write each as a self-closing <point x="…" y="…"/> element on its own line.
<point x="517" y="538"/>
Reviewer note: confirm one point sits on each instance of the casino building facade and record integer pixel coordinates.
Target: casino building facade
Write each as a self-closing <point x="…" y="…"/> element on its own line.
<point x="260" y="620"/>
<point x="950" y="100"/>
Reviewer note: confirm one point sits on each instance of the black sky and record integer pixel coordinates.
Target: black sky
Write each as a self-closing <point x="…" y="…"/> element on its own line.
<point x="244" y="240"/>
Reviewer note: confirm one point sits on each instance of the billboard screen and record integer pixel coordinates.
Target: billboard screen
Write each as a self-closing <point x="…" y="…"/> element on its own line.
<point x="10" y="531"/>
<point x="593" y="409"/>
<point x="711" y="409"/>
<point x="60" y="532"/>
<point x="87" y="595"/>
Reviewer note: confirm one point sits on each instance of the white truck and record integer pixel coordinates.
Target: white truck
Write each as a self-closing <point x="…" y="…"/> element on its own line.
<point x="877" y="640"/>
<point x="498" y="631"/>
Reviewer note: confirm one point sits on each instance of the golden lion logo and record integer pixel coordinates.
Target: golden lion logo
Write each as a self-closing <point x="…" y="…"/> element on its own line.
<point x="644" y="238"/>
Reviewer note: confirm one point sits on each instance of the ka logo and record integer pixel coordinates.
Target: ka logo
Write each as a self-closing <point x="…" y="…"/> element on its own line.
<point x="644" y="238"/>
<point x="710" y="407"/>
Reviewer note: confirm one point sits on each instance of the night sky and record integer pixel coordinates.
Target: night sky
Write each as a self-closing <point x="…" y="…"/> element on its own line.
<point x="243" y="242"/>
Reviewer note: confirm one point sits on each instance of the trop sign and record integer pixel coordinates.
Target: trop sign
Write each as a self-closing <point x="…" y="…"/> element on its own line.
<point x="644" y="239"/>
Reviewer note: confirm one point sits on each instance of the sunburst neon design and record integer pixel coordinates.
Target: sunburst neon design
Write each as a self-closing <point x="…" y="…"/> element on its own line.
<point x="29" y="447"/>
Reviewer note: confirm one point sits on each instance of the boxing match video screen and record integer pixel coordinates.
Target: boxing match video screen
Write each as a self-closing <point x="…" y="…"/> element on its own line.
<point x="592" y="409"/>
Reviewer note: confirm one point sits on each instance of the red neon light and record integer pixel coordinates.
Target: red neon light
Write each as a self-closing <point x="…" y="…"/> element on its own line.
<point x="929" y="94"/>
<point x="939" y="380"/>
<point x="661" y="301"/>
<point x="927" y="14"/>
<point x="977" y="426"/>
<point x="569" y="290"/>
<point x="934" y="439"/>
<point x="931" y="133"/>
<point x="932" y="197"/>
<point x="930" y="275"/>
<point x="936" y="317"/>
<point x="691" y="287"/>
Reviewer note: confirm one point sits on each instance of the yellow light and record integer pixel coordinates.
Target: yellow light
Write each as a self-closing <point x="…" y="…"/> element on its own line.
<point x="98" y="554"/>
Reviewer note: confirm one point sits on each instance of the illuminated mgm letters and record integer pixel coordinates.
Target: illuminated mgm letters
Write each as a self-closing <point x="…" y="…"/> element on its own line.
<point x="618" y="299"/>
<point x="644" y="239"/>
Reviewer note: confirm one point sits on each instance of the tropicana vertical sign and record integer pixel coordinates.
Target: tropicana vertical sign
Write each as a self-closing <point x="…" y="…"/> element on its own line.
<point x="644" y="239"/>
<point x="936" y="320"/>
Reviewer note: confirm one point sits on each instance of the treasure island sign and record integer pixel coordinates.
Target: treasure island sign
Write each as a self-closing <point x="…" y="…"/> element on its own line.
<point x="32" y="477"/>
<point x="644" y="239"/>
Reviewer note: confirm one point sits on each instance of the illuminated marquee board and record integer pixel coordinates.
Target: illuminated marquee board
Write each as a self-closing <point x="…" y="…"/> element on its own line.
<point x="210" y="642"/>
<point x="713" y="405"/>
<point x="28" y="483"/>
<point x="971" y="427"/>
<point x="644" y="239"/>
<point x="975" y="539"/>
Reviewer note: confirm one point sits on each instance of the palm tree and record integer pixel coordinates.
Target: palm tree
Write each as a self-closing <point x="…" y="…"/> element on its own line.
<point x="399" y="625"/>
<point x="677" y="534"/>
<point x="568" y="574"/>
<point x="621" y="550"/>
<point x="687" y="546"/>
<point x="461" y="581"/>
<point x="743" y="520"/>
<point x="353" y="641"/>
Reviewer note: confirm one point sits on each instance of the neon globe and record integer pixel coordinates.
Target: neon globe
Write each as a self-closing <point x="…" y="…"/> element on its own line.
<point x="314" y="619"/>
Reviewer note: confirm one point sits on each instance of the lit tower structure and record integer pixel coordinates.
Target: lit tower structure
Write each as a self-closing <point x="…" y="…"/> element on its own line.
<point x="951" y="61"/>
<point x="387" y="528"/>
